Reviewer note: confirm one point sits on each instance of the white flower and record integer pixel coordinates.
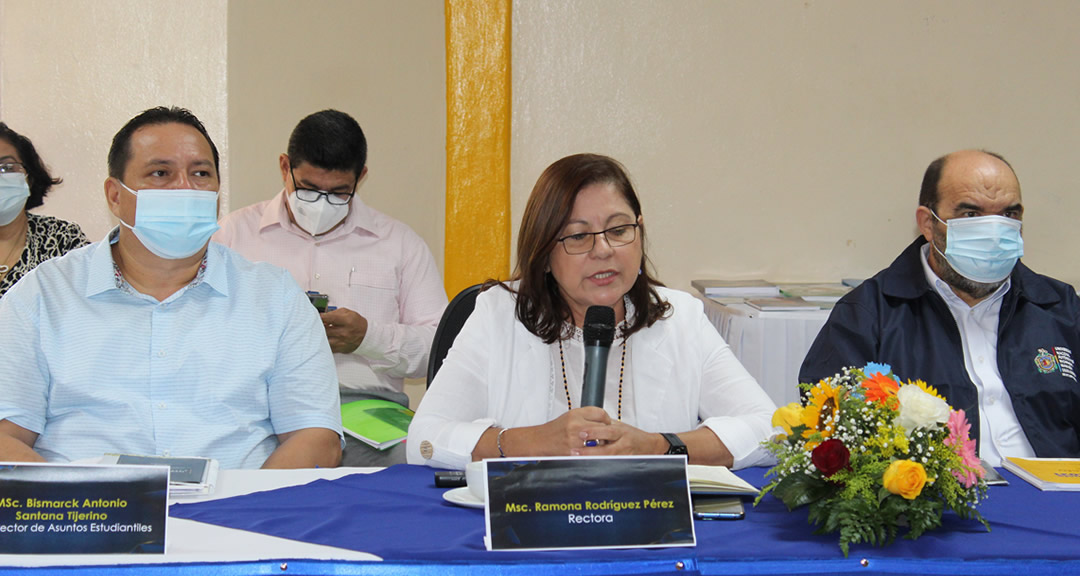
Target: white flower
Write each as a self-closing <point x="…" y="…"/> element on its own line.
<point x="919" y="409"/>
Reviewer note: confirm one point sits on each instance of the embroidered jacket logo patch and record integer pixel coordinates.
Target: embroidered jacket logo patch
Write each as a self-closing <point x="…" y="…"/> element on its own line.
<point x="1045" y="362"/>
<point x="1058" y="358"/>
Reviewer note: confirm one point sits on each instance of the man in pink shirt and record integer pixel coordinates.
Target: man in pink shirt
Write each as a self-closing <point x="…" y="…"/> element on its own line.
<point x="386" y="294"/>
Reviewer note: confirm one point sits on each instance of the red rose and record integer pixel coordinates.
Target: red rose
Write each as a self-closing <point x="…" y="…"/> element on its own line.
<point x="830" y="457"/>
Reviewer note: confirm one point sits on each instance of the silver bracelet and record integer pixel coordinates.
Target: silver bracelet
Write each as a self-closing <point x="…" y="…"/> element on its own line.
<point x="498" y="442"/>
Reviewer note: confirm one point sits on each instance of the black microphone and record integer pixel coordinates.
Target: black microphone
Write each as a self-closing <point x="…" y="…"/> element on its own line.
<point x="599" y="332"/>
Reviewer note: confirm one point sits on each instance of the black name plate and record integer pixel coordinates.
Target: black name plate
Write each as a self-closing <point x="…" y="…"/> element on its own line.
<point x="67" y="509"/>
<point x="600" y="502"/>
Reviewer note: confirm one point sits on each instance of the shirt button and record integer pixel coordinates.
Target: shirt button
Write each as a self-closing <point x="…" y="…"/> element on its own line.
<point x="161" y="405"/>
<point x="993" y="400"/>
<point x="166" y="453"/>
<point x="980" y="359"/>
<point x="317" y="276"/>
<point x="161" y="353"/>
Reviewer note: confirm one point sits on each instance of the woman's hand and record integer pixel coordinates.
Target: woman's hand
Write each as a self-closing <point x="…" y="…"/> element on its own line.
<point x="618" y="438"/>
<point x="568" y="432"/>
<point x="559" y="437"/>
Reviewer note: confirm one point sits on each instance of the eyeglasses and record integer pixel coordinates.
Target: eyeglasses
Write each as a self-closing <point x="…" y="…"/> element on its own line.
<point x="12" y="168"/>
<point x="583" y="242"/>
<point x="309" y="195"/>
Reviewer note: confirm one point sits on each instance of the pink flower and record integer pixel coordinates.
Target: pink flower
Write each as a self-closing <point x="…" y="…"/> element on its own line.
<point x="964" y="447"/>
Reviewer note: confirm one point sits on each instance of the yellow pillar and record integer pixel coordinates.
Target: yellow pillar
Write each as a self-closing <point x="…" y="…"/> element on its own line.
<point x="477" y="244"/>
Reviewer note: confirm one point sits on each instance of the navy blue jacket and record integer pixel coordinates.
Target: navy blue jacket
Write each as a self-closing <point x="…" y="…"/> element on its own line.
<point x="897" y="318"/>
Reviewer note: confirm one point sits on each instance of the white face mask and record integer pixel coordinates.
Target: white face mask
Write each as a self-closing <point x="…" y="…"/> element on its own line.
<point x="14" y="192"/>
<point x="316" y="217"/>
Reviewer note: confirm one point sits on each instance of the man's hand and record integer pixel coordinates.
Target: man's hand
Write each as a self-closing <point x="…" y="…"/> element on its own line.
<point x="345" y="330"/>
<point x="16" y="443"/>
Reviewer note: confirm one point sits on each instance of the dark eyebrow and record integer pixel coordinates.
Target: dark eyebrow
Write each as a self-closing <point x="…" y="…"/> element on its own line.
<point x="964" y="206"/>
<point x="1015" y="208"/>
<point x="343" y="189"/>
<point x="9" y="159"/>
<point x="608" y="221"/>
<point x="159" y="162"/>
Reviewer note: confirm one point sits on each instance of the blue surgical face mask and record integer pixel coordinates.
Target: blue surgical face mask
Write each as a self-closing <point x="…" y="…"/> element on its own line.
<point x="174" y="224"/>
<point x="983" y="249"/>
<point x="13" y="194"/>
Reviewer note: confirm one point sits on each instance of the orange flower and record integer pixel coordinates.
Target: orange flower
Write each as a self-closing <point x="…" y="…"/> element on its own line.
<point x="879" y="388"/>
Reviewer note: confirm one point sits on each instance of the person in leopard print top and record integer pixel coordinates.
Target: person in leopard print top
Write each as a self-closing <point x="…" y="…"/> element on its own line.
<point x="27" y="240"/>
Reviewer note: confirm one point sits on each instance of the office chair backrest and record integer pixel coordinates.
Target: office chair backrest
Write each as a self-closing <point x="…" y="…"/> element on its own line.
<point x="453" y="318"/>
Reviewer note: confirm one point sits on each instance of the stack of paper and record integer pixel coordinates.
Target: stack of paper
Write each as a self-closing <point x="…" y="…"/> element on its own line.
<point x="815" y="292"/>
<point x="769" y="304"/>
<point x="187" y="476"/>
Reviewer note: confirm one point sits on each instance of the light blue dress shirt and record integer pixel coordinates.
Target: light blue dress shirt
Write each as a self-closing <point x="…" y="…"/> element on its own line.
<point x="216" y="370"/>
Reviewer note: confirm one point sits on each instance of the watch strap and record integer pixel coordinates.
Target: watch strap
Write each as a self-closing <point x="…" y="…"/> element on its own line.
<point x="675" y="444"/>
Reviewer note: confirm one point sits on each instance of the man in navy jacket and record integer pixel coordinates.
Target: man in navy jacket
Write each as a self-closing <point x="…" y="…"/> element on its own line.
<point x="959" y="311"/>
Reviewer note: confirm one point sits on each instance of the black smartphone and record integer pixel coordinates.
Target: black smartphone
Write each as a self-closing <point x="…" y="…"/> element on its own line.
<point x="718" y="509"/>
<point x="450" y="479"/>
<point x="319" y="301"/>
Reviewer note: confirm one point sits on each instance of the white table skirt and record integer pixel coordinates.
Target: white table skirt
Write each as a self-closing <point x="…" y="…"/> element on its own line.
<point x="771" y="345"/>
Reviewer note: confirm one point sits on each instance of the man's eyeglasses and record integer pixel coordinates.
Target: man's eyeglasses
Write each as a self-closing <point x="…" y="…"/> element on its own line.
<point x="12" y="168"/>
<point x="583" y="242"/>
<point x="309" y="195"/>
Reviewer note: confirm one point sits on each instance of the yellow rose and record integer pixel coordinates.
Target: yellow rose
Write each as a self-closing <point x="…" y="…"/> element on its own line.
<point x="905" y="478"/>
<point x="788" y="416"/>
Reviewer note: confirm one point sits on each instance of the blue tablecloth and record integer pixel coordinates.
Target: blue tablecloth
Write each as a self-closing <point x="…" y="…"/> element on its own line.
<point x="399" y="515"/>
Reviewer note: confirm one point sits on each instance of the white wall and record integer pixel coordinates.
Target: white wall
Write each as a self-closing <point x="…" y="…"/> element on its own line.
<point x="72" y="72"/>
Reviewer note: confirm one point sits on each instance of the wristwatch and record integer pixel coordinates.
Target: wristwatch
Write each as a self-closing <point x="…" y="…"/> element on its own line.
<point x="676" y="446"/>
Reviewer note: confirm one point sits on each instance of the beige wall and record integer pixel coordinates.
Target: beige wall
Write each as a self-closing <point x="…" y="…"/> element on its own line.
<point x="776" y="139"/>
<point x="787" y="140"/>
<point x="381" y="62"/>
<point x="72" y="72"/>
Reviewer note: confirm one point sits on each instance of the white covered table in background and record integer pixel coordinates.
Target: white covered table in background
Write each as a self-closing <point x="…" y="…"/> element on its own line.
<point x="771" y="345"/>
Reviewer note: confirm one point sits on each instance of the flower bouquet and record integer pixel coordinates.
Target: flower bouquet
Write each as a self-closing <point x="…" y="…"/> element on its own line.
<point x="868" y="453"/>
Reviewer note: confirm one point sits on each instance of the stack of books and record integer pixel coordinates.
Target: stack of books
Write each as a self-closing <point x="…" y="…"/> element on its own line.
<point x="378" y="423"/>
<point x="736" y="288"/>
<point x="1050" y="474"/>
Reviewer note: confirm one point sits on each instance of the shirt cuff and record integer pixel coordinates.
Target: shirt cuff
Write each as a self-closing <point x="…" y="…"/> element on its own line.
<point x="375" y="342"/>
<point x="454" y="447"/>
<point x="741" y="440"/>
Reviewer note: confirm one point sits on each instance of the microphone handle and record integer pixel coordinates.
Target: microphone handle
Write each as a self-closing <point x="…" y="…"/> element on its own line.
<point x="592" y="389"/>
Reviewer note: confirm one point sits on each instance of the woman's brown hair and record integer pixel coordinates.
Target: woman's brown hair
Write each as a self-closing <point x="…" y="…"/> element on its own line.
<point x="540" y="305"/>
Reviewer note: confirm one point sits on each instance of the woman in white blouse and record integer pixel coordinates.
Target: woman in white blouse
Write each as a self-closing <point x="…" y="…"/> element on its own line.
<point x="511" y="384"/>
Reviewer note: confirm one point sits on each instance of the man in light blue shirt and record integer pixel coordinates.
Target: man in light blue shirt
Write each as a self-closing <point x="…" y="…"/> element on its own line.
<point x="154" y="341"/>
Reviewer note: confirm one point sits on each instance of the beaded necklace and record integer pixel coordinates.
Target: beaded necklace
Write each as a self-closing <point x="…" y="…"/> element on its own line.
<point x="566" y="386"/>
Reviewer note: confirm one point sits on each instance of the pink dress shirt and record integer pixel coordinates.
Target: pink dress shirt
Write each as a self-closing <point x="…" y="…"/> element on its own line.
<point x="371" y="264"/>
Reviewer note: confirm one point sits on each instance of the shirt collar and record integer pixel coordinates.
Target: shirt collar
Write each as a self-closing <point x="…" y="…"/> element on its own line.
<point x="105" y="275"/>
<point x="361" y="219"/>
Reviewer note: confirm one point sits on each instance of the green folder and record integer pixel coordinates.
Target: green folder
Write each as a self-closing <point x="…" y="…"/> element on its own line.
<point x="378" y="423"/>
